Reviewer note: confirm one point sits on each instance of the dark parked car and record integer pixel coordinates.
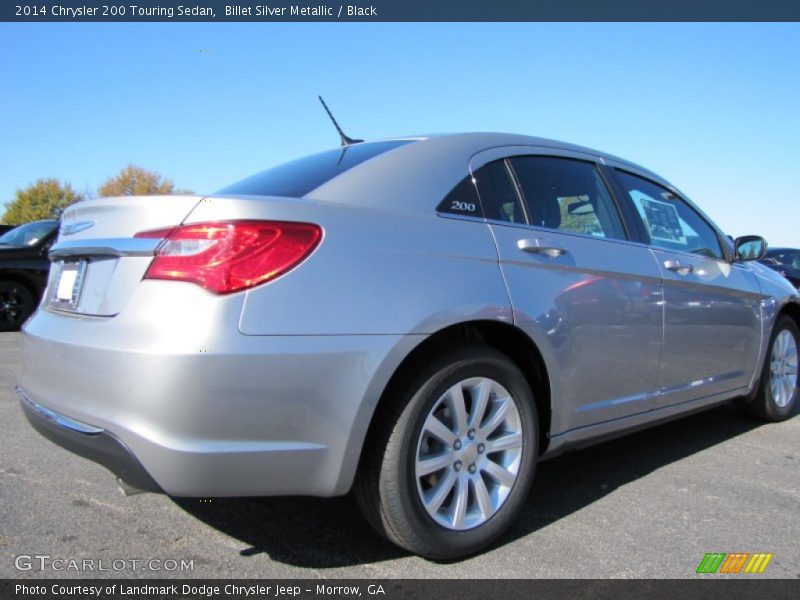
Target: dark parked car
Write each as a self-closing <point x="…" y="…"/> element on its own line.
<point x="23" y="270"/>
<point x="4" y="228"/>
<point x="785" y="261"/>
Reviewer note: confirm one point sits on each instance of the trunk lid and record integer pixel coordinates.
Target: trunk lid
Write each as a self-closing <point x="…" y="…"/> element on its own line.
<point x="97" y="263"/>
<point x="124" y="216"/>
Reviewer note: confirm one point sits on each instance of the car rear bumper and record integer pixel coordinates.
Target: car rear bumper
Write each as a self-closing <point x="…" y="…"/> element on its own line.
<point x="90" y="442"/>
<point x="240" y="416"/>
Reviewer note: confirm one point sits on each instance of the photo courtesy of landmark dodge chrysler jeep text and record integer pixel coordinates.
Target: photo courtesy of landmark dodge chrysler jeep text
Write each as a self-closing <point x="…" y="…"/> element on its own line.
<point x="418" y="319"/>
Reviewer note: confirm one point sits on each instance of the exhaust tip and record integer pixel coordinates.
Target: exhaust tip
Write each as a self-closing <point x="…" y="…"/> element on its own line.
<point x="127" y="489"/>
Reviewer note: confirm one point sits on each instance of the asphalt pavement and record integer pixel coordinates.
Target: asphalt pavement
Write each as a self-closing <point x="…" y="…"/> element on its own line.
<point x="650" y="504"/>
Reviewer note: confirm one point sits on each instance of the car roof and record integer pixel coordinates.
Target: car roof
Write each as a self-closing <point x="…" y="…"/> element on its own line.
<point x="478" y="141"/>
<point x="418" y="175"/>
<point x="474" y="142"/>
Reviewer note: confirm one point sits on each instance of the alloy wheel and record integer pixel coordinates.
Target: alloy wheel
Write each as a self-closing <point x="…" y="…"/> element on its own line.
<point x="11" y="305"/>
<point x="469" y="453"/>
<point x="783" y="368"/>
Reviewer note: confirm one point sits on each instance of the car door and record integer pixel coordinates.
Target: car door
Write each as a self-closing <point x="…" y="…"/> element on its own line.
<point x="712" y="310"/>
<point x="585" y="294"/>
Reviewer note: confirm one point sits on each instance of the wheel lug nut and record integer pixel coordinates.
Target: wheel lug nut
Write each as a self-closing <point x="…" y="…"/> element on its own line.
<point x="472" y="468"/>
<point x="457" y="444"/>
<point x="471" y="433"/>
<point x="457" y="465"/>
<point x="481" y="448"/>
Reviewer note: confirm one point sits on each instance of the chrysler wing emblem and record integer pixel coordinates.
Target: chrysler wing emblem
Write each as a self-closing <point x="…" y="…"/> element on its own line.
<point x="73" y="228"/>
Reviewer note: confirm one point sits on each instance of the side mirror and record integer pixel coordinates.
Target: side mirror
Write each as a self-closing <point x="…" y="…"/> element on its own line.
<point x="750" y="247"/>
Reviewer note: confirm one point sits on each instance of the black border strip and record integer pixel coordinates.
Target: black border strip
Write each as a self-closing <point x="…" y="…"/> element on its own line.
<point x="710" y="586"/>
<point x="396" y="11"/>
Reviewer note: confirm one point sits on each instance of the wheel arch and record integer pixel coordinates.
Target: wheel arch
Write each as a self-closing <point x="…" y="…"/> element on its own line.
<point x="791" y="309"/>
<point x="758" y="404"/>
<point x="505" y="338"/>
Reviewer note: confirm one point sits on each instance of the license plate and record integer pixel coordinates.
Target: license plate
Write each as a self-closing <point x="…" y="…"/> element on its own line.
<point x="69" y="284"/>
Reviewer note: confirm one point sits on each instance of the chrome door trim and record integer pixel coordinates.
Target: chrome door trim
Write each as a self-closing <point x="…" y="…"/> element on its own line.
<point x="488" y="155"/>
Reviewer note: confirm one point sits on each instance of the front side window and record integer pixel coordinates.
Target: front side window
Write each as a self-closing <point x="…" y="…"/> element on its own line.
<point x="568" y="195"/>
<point x="670" y="222"/>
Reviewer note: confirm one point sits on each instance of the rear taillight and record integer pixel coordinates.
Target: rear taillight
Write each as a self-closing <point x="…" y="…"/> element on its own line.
<point x="228" y="256"/>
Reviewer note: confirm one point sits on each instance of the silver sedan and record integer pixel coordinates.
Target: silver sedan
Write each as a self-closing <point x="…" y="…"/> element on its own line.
<point x="418" y="319"/>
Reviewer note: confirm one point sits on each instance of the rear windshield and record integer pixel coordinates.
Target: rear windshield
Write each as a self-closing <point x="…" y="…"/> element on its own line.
<point x="297" y="178"/>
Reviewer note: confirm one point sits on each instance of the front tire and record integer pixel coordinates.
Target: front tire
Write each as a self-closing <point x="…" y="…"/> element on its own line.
<point x="447" y="470"/>
<point x="777" y="393"/>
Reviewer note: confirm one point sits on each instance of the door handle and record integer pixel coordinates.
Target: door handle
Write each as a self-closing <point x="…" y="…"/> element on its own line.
<point x="677" y="267"/>
<point x="545" y="247"/>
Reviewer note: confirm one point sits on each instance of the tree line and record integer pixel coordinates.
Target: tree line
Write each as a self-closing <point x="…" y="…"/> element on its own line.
<point x="48" y="197"/>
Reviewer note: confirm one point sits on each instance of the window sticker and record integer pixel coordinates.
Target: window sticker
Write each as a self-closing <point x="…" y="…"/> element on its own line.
<point x="660" y="218"/>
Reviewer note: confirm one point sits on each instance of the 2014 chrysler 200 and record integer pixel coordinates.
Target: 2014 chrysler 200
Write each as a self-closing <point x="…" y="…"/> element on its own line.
<point x="419" y="319"/>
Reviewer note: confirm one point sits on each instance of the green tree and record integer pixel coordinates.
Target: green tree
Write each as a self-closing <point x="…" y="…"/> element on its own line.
<point x="43" y="199"/>
<point x="133" y="180"/>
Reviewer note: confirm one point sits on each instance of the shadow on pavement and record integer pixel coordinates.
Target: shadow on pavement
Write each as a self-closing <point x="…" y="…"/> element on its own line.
<point x="328" y="533"/>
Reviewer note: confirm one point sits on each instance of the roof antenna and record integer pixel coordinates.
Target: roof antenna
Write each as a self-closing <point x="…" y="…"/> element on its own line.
<point x="346" y="141"/>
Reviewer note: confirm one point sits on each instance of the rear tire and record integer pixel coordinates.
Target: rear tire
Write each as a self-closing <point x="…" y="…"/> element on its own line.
<point x="16" y="305"/>
<point x="442" y="481"/>
<point x="777" y="393"/>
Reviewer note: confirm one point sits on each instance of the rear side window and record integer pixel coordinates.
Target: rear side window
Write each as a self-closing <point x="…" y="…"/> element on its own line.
<point x="568" y="195"/>
<point x="489" y="193"/>
<point x="462" y="200"/>
<point x="298" y="177"/>
<point x="671" y="223"/>
<point x="498" y="193"/>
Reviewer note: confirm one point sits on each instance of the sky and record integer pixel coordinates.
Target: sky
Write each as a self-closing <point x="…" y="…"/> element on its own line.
<point x="713" y="108"/>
